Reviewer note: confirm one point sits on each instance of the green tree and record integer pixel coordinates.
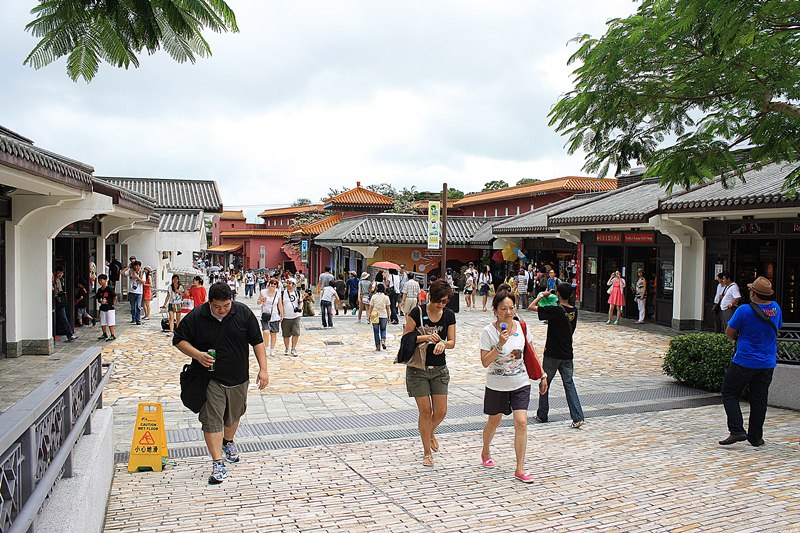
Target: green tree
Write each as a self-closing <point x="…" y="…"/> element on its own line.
<point x="682" y="85"/>
<point x="494" y="185"/>
<point x="385" y="189"/>
<point x="301" y="202"/>
<point x="454" y="194"/>
<point x="524" y="181"/>
<point x="117" y="31"/>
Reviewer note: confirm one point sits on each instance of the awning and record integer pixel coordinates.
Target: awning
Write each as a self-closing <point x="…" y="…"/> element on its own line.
<point x="224" y="248"/>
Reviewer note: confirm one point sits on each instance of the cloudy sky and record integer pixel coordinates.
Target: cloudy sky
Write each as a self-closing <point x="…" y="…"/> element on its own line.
<point x="317" y="94"/>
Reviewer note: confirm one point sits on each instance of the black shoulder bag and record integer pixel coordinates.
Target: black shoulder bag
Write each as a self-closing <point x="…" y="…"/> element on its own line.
<point x="194" y="382"/>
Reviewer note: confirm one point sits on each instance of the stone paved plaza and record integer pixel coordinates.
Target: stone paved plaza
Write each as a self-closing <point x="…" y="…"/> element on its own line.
<point x="330" y="445"/>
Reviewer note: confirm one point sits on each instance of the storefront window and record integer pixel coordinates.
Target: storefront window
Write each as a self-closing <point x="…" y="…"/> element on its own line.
<point x="790" y="304"/>
<point x="666" y="279"/>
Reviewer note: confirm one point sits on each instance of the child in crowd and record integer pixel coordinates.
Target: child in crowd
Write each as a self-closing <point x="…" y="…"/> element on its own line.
<point x="106" y="297"/>
<point x="82" y="305"/>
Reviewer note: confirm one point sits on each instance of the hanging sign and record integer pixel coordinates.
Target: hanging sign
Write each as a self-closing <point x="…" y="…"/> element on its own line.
<point x="304" y="251"/>
<point x="149" y="444"/>
<point x="434" y="225"/>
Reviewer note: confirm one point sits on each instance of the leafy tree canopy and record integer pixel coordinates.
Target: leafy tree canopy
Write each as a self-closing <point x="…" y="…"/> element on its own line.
<point x="708" y="76"/>
<point x="523" y="181"/>
<point x="494" y="185"/>
<point x="117" y="31"/>
<point x="454" y="194"/>
<point x="301" y="202"/>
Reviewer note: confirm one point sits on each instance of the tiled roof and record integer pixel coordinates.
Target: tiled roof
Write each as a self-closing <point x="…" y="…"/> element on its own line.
<point x="634" y="203"/>
<point x="761" y="188"/>
<point x="359" y="197"/>
<point x="174" y="193"/>
<point x="231" y="247"/>
<point x="124" y="197"/>
<point x="569" y="183"/>
<point x="256" y="233"/>
<point x="536" y="221"/>
<point x="294" y="210"/>
<point x="181" y="221"/>
<point x="317" y="227"/>
<point x="17" y="153"/>
<point x="232" y="215"/>
<point x="398" y="228"/>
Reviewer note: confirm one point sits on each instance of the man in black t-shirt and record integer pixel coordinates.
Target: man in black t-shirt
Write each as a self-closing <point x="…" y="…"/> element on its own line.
<point x="561" y="322"/>
<point x="227" y="327"/>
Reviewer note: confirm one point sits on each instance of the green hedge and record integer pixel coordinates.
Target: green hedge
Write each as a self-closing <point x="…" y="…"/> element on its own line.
<point x="699" y="359"/>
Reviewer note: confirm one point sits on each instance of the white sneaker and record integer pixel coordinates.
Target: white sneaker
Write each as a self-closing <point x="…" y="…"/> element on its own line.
<point x="271" y="352"/>
<point x="286" y="351"/>
<point x="294" y="352"/>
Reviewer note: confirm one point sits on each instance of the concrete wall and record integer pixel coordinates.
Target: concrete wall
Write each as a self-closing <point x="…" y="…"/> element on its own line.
<point x="78" y="504"/>
<point x="785" y="391"/>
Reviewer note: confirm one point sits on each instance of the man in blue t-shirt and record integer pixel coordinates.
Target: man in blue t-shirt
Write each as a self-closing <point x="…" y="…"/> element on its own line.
<point x="754" y="328"/>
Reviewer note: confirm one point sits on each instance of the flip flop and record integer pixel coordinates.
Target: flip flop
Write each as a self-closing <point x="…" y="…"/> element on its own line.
<point x="427" y="460"/>
<point x="434" y="444"/>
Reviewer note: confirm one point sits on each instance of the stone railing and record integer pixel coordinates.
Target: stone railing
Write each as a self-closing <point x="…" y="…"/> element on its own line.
<point x="39" y="433"/>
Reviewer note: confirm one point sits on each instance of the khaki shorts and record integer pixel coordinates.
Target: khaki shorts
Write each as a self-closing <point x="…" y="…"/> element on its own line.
<point x="290" y="327"/>
<point x="224" y="406"/>
<point x="433" y="380"/>
<point x="409" y="304"/>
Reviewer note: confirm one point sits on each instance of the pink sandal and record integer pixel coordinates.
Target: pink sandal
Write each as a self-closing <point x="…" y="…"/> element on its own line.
<point x="487" y="461"/>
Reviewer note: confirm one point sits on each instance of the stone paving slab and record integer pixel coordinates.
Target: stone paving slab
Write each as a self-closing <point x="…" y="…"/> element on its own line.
<point x="643" y="472"/>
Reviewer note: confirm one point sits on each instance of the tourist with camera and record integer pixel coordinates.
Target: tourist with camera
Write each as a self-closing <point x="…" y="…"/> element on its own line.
<point x="290" y="310"/>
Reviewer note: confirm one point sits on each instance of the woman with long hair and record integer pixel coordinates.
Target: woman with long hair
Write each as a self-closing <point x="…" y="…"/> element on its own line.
<point x="148" y="291"/>
<point x="508" y="390"/>
<point x="616" y="298"/>
<point x="429" y="387"/>
<point x="378" y="315"/>
<point x="484" y="281"/>
<point x="173" y="301"/>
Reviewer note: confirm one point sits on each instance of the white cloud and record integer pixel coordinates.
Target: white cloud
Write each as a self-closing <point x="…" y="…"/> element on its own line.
<point x="311" y="95"/>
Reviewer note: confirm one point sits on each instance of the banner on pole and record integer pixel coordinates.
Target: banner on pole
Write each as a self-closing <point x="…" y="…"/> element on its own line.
<point x="304" y="251"/>
<point x="434" y="225"/>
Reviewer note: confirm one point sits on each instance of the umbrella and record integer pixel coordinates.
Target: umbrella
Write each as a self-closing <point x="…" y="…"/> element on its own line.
<point x="386" y="264"/>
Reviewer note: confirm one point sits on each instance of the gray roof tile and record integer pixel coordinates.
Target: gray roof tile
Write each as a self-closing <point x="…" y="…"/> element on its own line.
<point x="536" y="221"/>
<point x="761" y="188"/>
<point x="405" y="229"/>
<point x="184" y="221"/>
<point x="635" y="203"/>
<point x="24" y="155"/>
<point x="174" y="193"/>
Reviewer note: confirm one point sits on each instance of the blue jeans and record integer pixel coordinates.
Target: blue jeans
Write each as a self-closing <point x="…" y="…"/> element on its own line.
<point x="61" y="313"/>
<point x="757" y="380"/>
<point x="565" y="368"/>
<point x="136" y="309"/>
<point x="325" y="310"/>
<point x="379" y="330"/>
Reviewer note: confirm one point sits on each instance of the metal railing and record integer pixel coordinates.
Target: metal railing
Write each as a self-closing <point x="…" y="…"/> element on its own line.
<point x="38" y="436"/>
<point x="789" y="345"/>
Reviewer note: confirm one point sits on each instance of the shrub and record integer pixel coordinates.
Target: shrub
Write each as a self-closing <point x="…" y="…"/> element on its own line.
<point x="699" y="359"/>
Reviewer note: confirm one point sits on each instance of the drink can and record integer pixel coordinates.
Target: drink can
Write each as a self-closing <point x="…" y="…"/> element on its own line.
<point x="212" y="353"/>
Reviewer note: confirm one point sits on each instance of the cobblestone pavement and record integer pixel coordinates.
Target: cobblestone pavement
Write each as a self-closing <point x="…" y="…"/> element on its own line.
<point x="640" y="472"/>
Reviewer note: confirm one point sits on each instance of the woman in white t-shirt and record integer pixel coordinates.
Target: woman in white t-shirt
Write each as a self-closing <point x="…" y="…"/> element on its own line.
<point x="268" y="299"/>
<point x="378" y="315"/>
<point x="173" y="301"/>
<point x="508" y="389"/>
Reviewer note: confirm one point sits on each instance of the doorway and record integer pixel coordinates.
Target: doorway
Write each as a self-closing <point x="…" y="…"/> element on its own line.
<point x="611" y="260"/>
<point x="644" y="258"/>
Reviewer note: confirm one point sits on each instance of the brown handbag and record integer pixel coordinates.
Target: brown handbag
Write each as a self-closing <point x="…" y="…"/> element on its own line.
<point x="419" y="357"/>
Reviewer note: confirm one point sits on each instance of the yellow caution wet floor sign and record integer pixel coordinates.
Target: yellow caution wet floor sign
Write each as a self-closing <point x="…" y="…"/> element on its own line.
<point x="149" y="445"/>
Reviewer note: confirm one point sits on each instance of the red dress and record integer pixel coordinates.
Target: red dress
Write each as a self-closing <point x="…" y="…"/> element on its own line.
<point x="616" y="297"/>
<point x="147" y="295"/>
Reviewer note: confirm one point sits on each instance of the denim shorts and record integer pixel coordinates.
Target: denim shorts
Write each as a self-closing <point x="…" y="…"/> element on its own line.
<point x="272" y="327"/>
<point x="433" y="380"/>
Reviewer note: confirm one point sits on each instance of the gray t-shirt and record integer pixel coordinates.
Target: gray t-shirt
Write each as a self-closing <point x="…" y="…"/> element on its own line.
<point x="324" y="280"/>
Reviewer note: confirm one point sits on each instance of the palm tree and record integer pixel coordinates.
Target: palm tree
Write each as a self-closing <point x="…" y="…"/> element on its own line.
<point x="116" y="31"/>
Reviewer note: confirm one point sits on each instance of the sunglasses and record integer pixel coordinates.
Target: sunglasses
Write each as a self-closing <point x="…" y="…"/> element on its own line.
<point x="273" y="283"/>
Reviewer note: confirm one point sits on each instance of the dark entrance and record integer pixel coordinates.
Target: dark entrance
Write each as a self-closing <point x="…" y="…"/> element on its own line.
<point x="627" y="252"/>
<point x="74" y="249"/>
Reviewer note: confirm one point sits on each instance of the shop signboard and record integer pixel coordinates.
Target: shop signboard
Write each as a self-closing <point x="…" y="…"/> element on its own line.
<point x="644" y="237"/>
<point x="608" y="237"/>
